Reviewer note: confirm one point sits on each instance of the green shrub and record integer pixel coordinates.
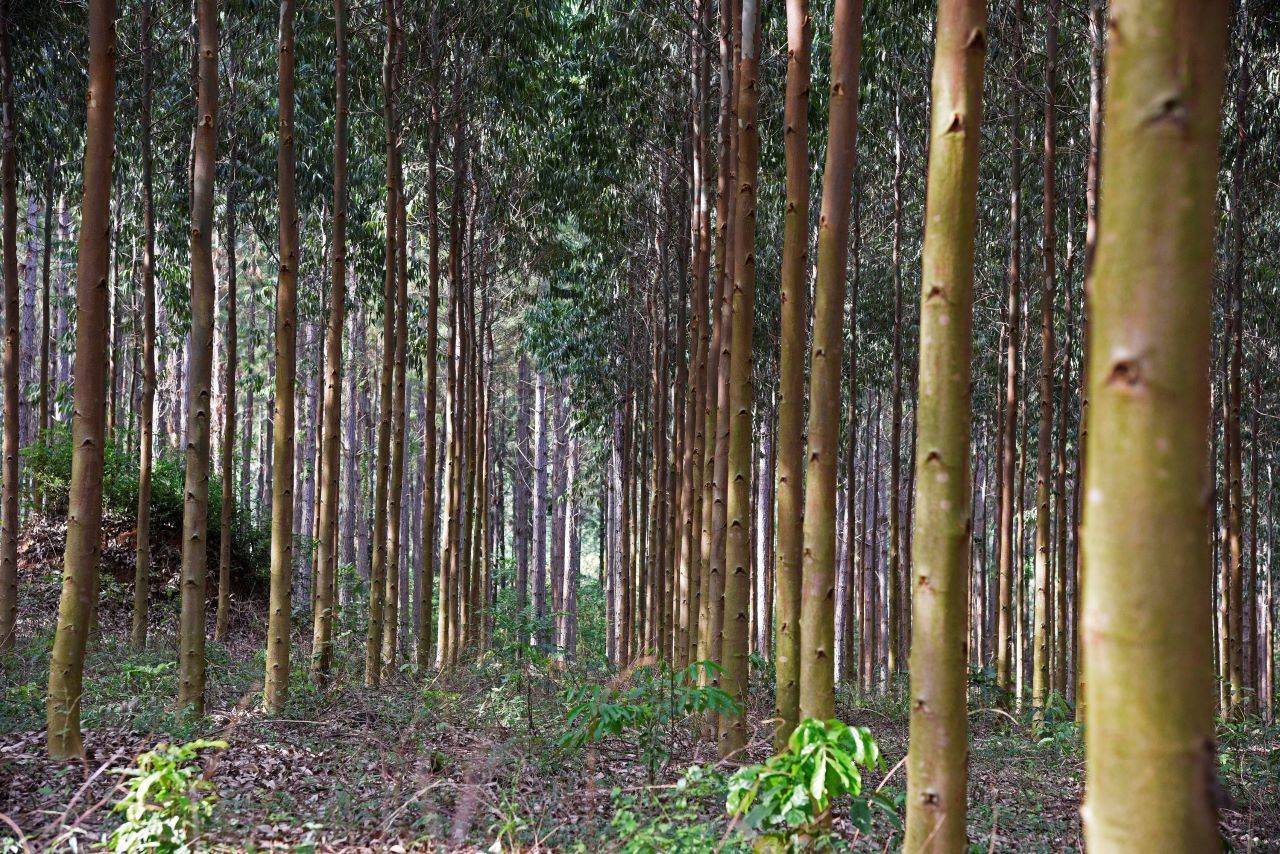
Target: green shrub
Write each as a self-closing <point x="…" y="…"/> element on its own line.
<point x="790" y="796"/>
<point x="645" y="709"/>
<point x="48" y="462"/>
<point x="670" y="820"/>
<point x="166" y="800"/>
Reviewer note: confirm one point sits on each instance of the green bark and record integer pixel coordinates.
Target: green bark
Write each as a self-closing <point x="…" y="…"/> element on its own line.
<point x="817" y="598"/>
<point x="938" y="754"/>
<point x="1150" y="767"/>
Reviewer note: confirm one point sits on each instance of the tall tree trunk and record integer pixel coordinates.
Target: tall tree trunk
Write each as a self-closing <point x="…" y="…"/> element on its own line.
<point x="378" y="568"/>
<point x="84" y="504"/>
<point x="791" y="364"/>
<point x="422" y="593"/>
<point x="1235" y="589"/>
<point x="1042" y="652"/>
<point x="228" y="448"/>
<point x="897" y="619"/>
<point x="520" y="482"/>
<point x="1063" y="574"/>
<point x="45" y="297"/>
<point x="737" y="562"/>
<point x="852" y="603"/>
<point x="937" y="757"/>
<point x="9" y="177"/>
<point x="717" y="373"/>
<point x="1092" y="175"/>
<point x="1149" y="732"/>
<point x="286" y="368"/>
<point x="395" y="500"/>
<point x="1010" y="566"/>
<point x="817" y="604"/>
<point x="223" y="615"/>
<point x="195" y="507"/>
<point x="541" y="427"/>
<point x="331" y="437"/>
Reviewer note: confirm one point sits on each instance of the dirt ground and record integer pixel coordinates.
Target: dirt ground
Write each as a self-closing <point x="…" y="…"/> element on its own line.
<point x="474" y="761"/>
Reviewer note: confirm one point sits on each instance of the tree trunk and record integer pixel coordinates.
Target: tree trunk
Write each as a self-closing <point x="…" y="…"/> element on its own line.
<point x="1010" y="567"/>
<point x="9" y="176"/>
<point x="422" y="593"/>
<point x="817" y="607"/>
<point x="737" y="561"/>
<point x="541" y="427"/>
<point x="937" y="757"/>
<point x="378" y="568"/>
<point x="717" y="373"/>
<point x="1149" y="732"/>
<point x="195" y="507"/>
<point x="1042" y="651"/>
<point x="791" y="365"/>
<point x="279" y="609"/>
<point x="223" y="616"/>
<point x="1235" y="589"/>
<point x="520" y="483"/>
<point x="84" y="507"/>
<point x="331" y="438"/>
<point x="395" y="500"/>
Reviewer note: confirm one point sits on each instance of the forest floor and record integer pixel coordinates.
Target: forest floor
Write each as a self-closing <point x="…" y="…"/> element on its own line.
<point x="475" y="762"/>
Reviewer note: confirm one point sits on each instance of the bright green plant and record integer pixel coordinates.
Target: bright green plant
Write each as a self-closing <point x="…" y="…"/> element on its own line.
<point x="1057" y="728"/>
<point x="166" y="800"/>
<point x="790" y="796"/>
<point x="644" y="709"/>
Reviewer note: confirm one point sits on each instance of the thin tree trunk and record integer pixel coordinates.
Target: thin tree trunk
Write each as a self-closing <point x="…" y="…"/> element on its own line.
<point x="1042" y="651"/>
<point x="1010" y="567"/>
<point x="223" y="615"/>
<point x="395" y="500"/>
<point x="737" y="563"/>
<point x="817" y="611"/>
<point x="195" y="512"/>
<point x="937" y="757"/>
<point x="331" y="438"/>
<point x="12" y="344"/>
<point x="279" y="608"/>
<point x="422" y="593"/>
<point x="84" y="507"/>
<point x="791" y="365"/>
<point x="378" y="568"/>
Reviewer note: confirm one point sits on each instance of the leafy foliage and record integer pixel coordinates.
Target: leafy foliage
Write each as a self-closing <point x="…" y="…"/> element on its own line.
<point x="48" y="462"/>
<point x="644" y="708"/>
<point x="166" y="800"/>
<point x="790" y="795"/>
<point x="669" y="820"/>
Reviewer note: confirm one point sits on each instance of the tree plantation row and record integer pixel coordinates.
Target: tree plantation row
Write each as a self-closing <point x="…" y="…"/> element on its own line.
<point x="822" y="350"/>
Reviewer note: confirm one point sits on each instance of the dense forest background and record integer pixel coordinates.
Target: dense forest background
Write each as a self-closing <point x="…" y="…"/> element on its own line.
<point x="427" y="424"/>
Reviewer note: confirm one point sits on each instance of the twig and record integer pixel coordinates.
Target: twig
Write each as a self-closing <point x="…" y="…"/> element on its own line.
<point x="858" y="832"/>
<point x="22" y="837"/>
<point x="993" y="710"/>
<point x="84" y="786"/>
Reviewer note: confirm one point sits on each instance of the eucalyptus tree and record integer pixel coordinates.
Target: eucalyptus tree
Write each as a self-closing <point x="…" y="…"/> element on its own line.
<point x="1149" y="720"/>
<point x="790" y="487"/>
<point x="276" y="685"/>
<point x="195" y="516"/>
<point x="937" y="758"/>
<point x="9" y="500"/>
<point x="817" y="603"/>
<point x="84" y="509"/>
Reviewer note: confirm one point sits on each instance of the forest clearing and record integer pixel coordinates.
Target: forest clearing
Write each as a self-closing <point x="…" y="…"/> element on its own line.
<point x="639" y="425"/>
